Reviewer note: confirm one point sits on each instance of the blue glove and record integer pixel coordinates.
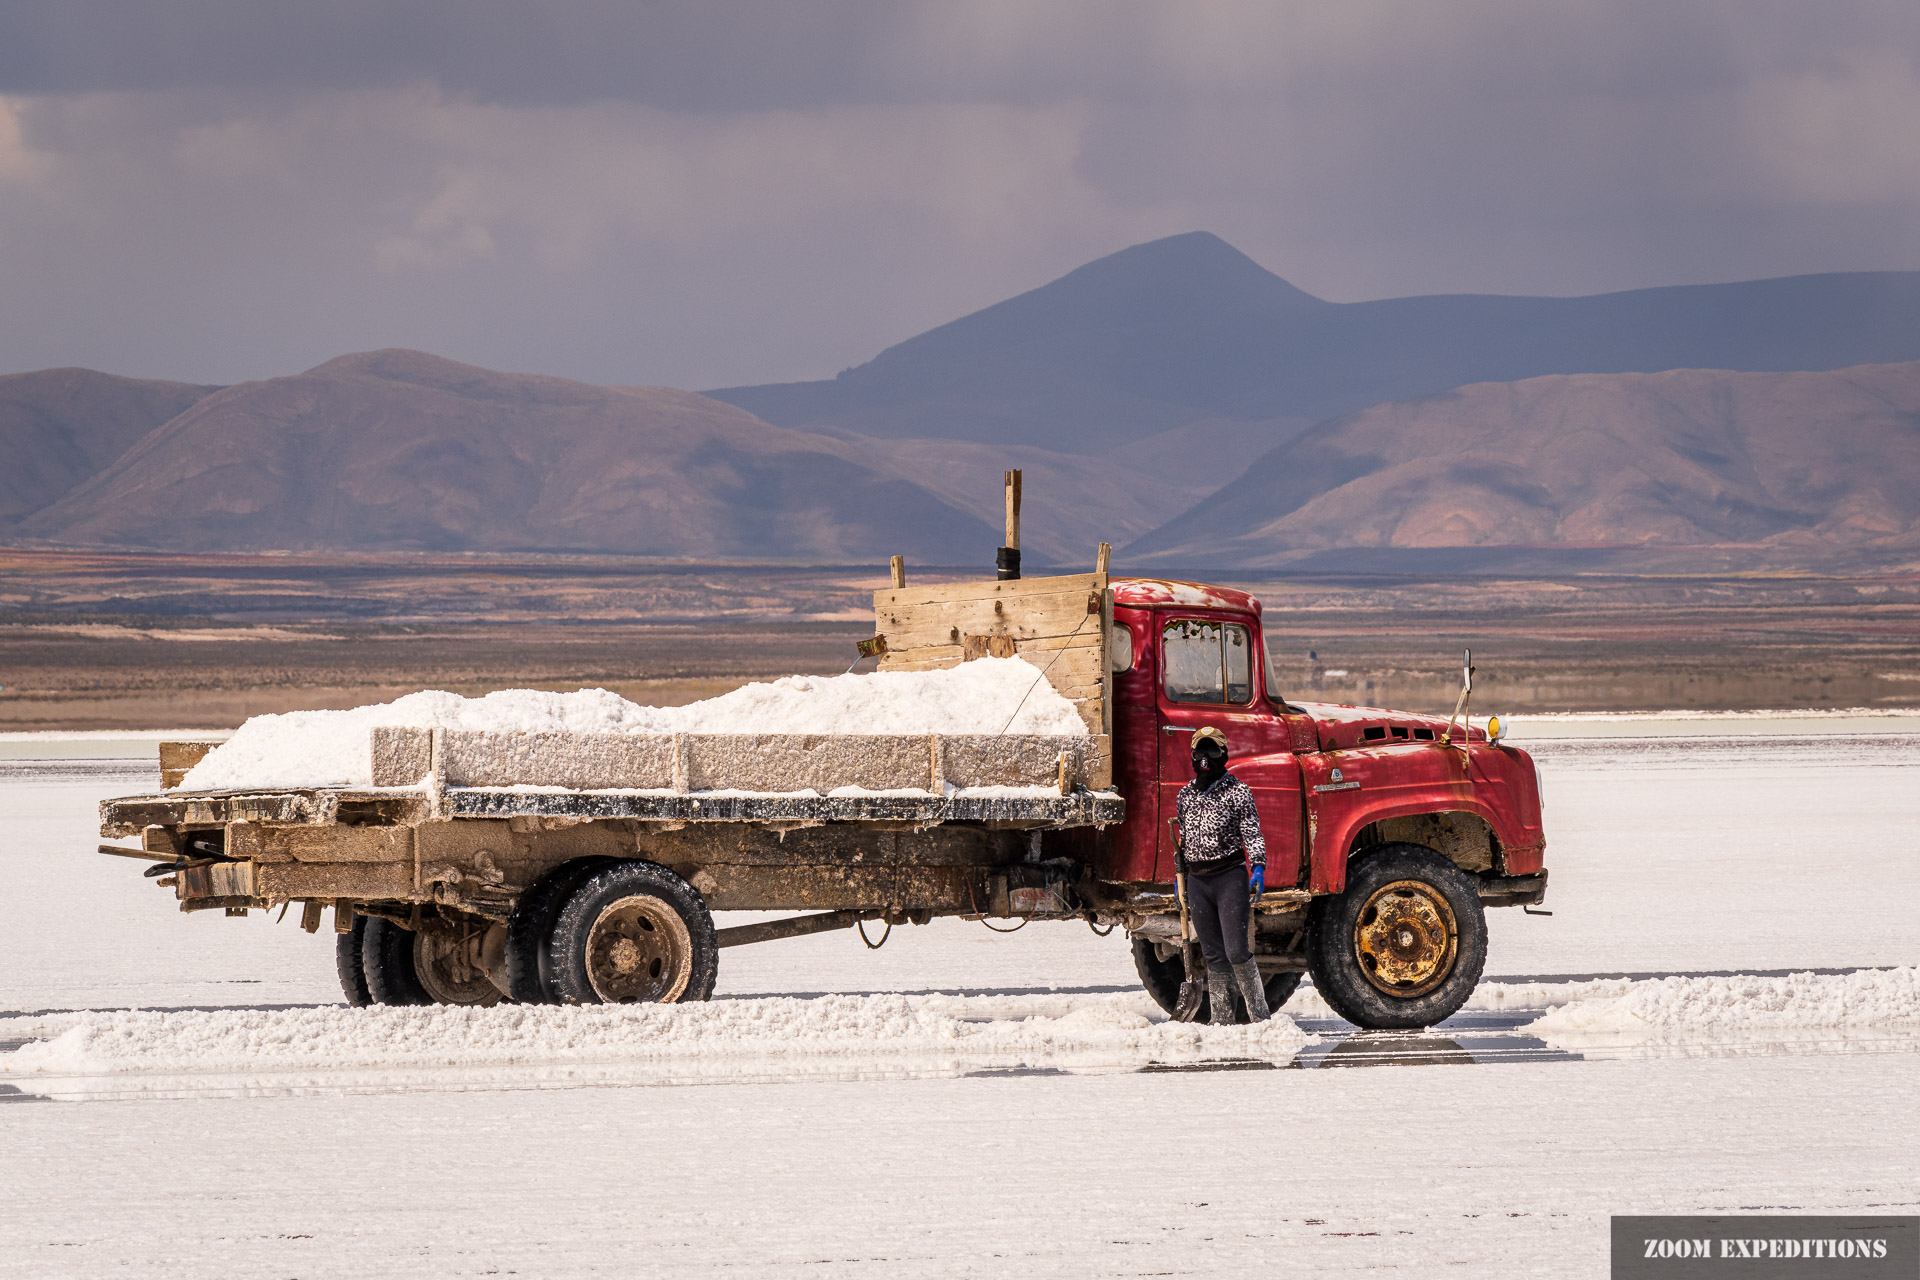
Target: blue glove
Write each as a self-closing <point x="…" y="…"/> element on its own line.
<point x="1257" y="881"/>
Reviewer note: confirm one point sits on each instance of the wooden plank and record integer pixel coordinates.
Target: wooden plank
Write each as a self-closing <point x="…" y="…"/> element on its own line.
<point x="1062" y="616"/>
<point x="972" y="647"/>
<point x="948" y="653"/>
<point x="989" y="589"/>
<point x="921" y="660"/>
<point x="1068" y="666"/>
<point x="1055" y="614"/>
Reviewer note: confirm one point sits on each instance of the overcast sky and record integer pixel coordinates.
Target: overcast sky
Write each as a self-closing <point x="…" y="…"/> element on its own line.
<point x="715" y="193"/>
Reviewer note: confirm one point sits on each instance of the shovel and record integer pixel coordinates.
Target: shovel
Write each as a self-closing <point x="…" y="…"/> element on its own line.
<point x="1186" y="1008"/>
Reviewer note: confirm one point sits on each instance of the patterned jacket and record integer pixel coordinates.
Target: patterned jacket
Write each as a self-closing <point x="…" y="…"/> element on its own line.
<point x="1217" y="824"/>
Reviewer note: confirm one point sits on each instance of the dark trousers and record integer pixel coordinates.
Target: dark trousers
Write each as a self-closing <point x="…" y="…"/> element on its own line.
<point x="1217" y="906"/>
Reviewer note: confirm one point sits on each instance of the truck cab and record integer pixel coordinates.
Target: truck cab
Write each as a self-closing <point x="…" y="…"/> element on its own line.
<point x="1346" y="795"/>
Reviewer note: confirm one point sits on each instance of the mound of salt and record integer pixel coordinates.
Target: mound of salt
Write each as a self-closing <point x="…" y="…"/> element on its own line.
<point x="329" y="748"/>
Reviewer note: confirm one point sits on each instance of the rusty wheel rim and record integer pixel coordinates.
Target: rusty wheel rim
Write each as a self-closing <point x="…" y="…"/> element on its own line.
<point x="639" y="951"/>
<point x="449" y="966"/>
<point x="1406" y="938"/>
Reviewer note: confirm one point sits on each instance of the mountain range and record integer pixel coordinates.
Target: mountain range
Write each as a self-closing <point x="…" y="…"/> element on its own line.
<point x="1810" y="467"/>
<point x="1188" y="328"/>
<point x="1174" y="398"/>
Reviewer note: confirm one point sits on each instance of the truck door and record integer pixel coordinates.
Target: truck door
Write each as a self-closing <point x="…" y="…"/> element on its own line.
<point x="1210" y="675"/>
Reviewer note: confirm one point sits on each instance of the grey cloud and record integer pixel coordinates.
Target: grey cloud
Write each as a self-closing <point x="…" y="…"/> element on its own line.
<point x="734" y="56"/>
<point x="704" y="194"/>
<point x="762" y="54"/>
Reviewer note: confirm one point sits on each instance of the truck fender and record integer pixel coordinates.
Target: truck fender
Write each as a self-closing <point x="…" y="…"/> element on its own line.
<point x="1347" y="791"/>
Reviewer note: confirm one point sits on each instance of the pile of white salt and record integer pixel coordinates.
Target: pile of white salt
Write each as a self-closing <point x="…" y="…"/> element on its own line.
<point x="329" y="748"/>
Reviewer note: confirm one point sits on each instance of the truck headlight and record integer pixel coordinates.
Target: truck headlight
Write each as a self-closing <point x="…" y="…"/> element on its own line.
<point x="1496" y="729"/>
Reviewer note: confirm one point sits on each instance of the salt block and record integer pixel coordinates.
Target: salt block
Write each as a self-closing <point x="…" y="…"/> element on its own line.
<point x="402" y="755"/>
<point x="1012" y="760"/>
<point x="820" y="762"/>
<point x="578" y="761"/>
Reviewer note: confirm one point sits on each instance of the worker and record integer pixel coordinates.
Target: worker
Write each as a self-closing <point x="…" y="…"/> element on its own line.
<point x="1224" y="859"/>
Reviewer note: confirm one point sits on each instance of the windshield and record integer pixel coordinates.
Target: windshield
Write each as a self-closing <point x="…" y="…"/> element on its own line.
<point x="1207" y="661"/>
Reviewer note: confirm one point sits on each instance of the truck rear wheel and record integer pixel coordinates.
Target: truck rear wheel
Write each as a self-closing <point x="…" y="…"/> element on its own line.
<point x="1404" y="945"/>
<point x="1162" y="980"/>
<point x="447" y="960"/>
<point x="387" y="954"/>
<point x="350" y="965"/>
<point x="530" y="930"/>
<point x="634" y="933"/>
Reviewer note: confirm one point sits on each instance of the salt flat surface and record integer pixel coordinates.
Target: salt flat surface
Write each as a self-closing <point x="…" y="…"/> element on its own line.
<point x="1504" y="1171"/>
<point x="329" y="748"/>
<point x="1528" y="726"/>
<point x="1114" y="1155"/>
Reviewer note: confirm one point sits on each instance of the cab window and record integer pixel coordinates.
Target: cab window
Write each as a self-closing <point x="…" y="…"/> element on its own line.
<point x="1207" y="661"/>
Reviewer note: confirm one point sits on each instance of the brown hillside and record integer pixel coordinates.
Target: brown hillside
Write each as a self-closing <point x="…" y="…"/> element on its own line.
<point x="397" y="449"/>
<point x="62" y="426"/>
<point x="1816" y="464"/>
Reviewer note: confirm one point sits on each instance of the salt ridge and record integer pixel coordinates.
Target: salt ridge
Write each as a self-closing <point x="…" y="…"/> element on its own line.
<point x="836" y="1026"/>
<point x="1669" y="1007"/>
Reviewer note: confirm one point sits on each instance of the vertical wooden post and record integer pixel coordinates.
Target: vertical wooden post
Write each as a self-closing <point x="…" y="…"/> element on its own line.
<point x="899" y="571"/>
<point x="1009" y="558"/>
<point x="1012" y="483"/>
<point x="1103" y="558"/>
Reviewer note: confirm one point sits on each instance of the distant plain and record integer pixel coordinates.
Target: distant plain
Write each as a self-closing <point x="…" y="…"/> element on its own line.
<point x="92" y="641"/>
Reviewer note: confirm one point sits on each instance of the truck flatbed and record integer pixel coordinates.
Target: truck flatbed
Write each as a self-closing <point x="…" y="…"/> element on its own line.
<point x="320" y="806"/>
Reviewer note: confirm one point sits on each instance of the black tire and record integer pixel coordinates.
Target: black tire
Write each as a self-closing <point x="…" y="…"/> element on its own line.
<point x="1445" y="955"/>
<point x="634" y="932"/>
<point x="530" y="930"/>
<point x="347" y="962"/>
<point x="388" y="957"/>
<point x="1162" y="980"/>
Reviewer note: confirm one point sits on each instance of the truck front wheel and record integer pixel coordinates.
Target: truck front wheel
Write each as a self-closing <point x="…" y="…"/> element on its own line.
<point x="634" y="933"/>
<point x="1404" y="945"/>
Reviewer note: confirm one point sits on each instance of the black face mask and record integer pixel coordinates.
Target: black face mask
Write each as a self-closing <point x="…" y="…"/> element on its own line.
<point x="1209" y="762"/>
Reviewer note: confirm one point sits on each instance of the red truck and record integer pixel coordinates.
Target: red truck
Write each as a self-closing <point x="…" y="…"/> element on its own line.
<point x="583" y="868"/>
<point x="1392" y="832"/>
